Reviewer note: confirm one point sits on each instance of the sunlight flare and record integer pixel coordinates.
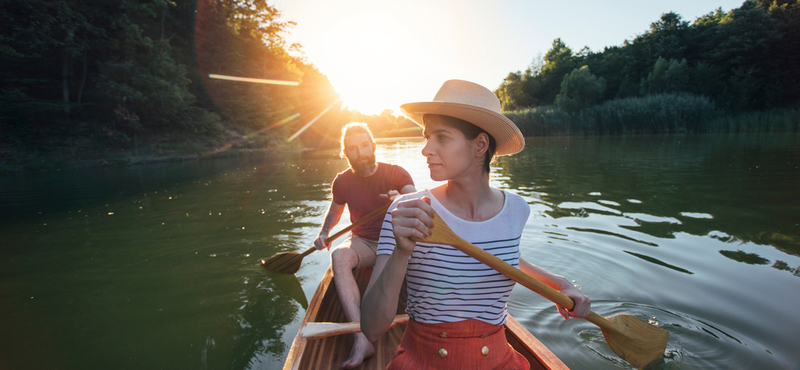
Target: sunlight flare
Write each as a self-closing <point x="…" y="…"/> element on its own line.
<point x="254" y="80"/>
<point x="296" y="134"/>
<point x="254" y="133"/>
<point x="282" y="122"/>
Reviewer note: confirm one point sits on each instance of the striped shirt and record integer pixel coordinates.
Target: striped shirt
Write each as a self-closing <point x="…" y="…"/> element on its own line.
<point x="446" y="285"/>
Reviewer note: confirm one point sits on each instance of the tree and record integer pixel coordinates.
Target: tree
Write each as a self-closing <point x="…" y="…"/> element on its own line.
<point x="667" y="76"/>
<point x="667" y="36"/>
<point x="243" y="38"/>
<point x="786" y="14"/>
<point x="511" y="92"/>
<point x="42" y="39"/>
<point x="559" y="61"/>
<point x="746" y="49"/>
<point x="747" y="58"/>
<point x="580" y="89"/>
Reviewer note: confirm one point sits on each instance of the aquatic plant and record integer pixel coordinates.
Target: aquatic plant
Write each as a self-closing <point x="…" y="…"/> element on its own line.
<point x="652" y="114"/>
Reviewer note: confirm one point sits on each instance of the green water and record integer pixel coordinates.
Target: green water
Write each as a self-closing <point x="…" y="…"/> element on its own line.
<point x="157" y="266"/>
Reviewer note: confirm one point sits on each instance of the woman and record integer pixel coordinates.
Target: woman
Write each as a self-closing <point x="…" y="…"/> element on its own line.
<point x="457" y="305"/>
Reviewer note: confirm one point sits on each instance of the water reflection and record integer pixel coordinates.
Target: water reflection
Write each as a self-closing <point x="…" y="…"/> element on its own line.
<point x="738" y="177"/>
<point x="659" y="262"/>
<point x="262" y="319"/>
<point x="670" y="203"/>
<point x="748" y="258"/>
<point x="161" y="261"/>
<point x="158" y="265"/>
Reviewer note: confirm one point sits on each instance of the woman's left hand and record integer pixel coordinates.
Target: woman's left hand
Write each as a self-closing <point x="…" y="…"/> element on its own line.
<point x="582" y="304"/>
<point x="411" y="220"/>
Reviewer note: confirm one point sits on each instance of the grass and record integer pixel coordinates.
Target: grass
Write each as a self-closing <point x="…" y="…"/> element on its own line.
<point x="779" y="120"/>
<point x="652" y="114"/>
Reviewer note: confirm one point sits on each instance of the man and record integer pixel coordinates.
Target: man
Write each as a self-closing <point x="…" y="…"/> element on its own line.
<point x="366" y="186"/>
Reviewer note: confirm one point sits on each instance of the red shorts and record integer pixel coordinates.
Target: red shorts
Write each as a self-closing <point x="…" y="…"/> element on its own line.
<point x="470" y="344"/>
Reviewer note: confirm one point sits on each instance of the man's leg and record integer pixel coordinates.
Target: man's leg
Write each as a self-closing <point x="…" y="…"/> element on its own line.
<point x="353" y="253"/>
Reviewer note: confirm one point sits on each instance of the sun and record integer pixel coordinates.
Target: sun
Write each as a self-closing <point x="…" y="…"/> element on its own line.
<point x="366" y="55"/>
<point x="364" y="62"/>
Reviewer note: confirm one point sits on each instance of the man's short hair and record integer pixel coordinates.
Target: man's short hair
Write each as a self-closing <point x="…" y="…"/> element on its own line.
<point x="354" y="128"/>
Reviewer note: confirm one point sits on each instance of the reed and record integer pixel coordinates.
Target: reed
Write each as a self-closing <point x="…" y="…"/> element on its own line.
<point x="652" y="114"/>
<point x="778" y="120"/>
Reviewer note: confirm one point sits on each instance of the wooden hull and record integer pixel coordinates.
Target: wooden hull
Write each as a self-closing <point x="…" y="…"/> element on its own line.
<point x="330" y="352"/>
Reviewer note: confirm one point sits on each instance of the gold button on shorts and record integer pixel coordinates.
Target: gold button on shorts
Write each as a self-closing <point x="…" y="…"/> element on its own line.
<point x="442" y="353"/>
<point x="485" y="351"/>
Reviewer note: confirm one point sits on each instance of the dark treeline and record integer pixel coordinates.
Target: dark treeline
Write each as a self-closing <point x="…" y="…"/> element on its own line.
<point x="744" y="60"/>
<point x="92" y="78"/>
<point x="81" y="77"/>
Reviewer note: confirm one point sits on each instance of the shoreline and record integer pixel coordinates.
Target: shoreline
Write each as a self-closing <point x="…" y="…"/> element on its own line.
<point x="67" y="157"/>
<point x="54" y="164"/>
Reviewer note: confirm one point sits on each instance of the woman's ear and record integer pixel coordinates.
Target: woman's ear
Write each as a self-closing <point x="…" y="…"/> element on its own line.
<point x="481" y="143"/>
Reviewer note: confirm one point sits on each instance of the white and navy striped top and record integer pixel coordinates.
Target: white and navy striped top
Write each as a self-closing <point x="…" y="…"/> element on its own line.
<point x="446" y="285"/>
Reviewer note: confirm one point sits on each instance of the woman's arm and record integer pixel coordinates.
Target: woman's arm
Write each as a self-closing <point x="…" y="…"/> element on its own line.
<point x="411" y="219"/>
<point x="380" y="299"/>
<point x="561" y="284"/>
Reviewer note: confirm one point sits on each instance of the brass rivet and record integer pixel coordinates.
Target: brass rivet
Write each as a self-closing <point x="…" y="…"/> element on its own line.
<point x="485" y="350"/>
<point x="442" y="335"/>
<point x="442" y="353"/>
<point x="484" y="335"/>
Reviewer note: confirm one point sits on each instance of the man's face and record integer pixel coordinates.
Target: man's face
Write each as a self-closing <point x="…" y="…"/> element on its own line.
<point x="360" y="152"/>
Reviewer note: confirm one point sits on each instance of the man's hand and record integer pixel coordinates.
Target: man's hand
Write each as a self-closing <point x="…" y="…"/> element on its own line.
<point x="391" y="195"/>
<point x="320" y="244"/>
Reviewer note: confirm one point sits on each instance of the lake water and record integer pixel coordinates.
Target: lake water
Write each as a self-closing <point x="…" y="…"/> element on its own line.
<point x="157" y="266"/>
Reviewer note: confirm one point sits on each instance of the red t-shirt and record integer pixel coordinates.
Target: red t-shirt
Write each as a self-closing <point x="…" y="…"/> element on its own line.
<point x="362" y="195"/>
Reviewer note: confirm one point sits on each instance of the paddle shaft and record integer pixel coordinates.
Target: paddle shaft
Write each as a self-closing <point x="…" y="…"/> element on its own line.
<point x="515" y="274"/>
<point x="631" y="338"/>
<point x="358" y="223"/>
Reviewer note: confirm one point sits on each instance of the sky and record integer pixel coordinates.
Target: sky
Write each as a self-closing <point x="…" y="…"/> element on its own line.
<point x="380" y="54"/>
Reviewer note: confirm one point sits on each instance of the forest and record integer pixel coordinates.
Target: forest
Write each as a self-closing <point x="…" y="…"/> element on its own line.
<point x="84" y="80"/>
<point x="723" y="72"/>
<point x="110" y="81"/>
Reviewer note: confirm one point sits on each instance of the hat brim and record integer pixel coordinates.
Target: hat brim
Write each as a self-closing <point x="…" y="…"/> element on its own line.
<point x="508" y="137"/>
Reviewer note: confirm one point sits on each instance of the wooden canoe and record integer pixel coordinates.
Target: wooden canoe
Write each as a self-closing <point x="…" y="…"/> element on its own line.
<point x="329" y="352"/>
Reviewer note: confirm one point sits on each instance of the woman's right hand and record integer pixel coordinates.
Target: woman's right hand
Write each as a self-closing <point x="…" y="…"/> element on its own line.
<point x="581" y="307"/>
<point x="411" y="220"/>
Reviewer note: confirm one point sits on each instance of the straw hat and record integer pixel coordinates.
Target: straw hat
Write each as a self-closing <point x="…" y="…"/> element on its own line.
<point x="472" y="103"/>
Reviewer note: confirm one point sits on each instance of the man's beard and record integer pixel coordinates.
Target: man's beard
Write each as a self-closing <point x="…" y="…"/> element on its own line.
<point x="362" y="165"/>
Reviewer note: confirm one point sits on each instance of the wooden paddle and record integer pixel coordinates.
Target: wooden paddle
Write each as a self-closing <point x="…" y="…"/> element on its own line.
<point x="289" y="263"/>
<point x="631" y="338"/>
<point x="315" y="330"/>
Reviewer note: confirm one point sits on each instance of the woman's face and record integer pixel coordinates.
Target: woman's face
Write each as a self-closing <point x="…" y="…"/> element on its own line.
<point x="448" y="152"/>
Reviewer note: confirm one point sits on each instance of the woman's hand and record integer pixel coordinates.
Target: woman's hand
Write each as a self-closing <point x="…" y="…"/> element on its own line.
<point x="582" y="304"/>
<point x="411" y="220"/>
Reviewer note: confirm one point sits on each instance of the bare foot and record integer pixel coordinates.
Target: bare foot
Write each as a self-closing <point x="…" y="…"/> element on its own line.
<point x="361" y="350"/>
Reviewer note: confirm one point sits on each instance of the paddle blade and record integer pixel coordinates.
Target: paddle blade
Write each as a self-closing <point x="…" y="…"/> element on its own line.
<point x="635" y="340"/>
<point x="284" y="263"/>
